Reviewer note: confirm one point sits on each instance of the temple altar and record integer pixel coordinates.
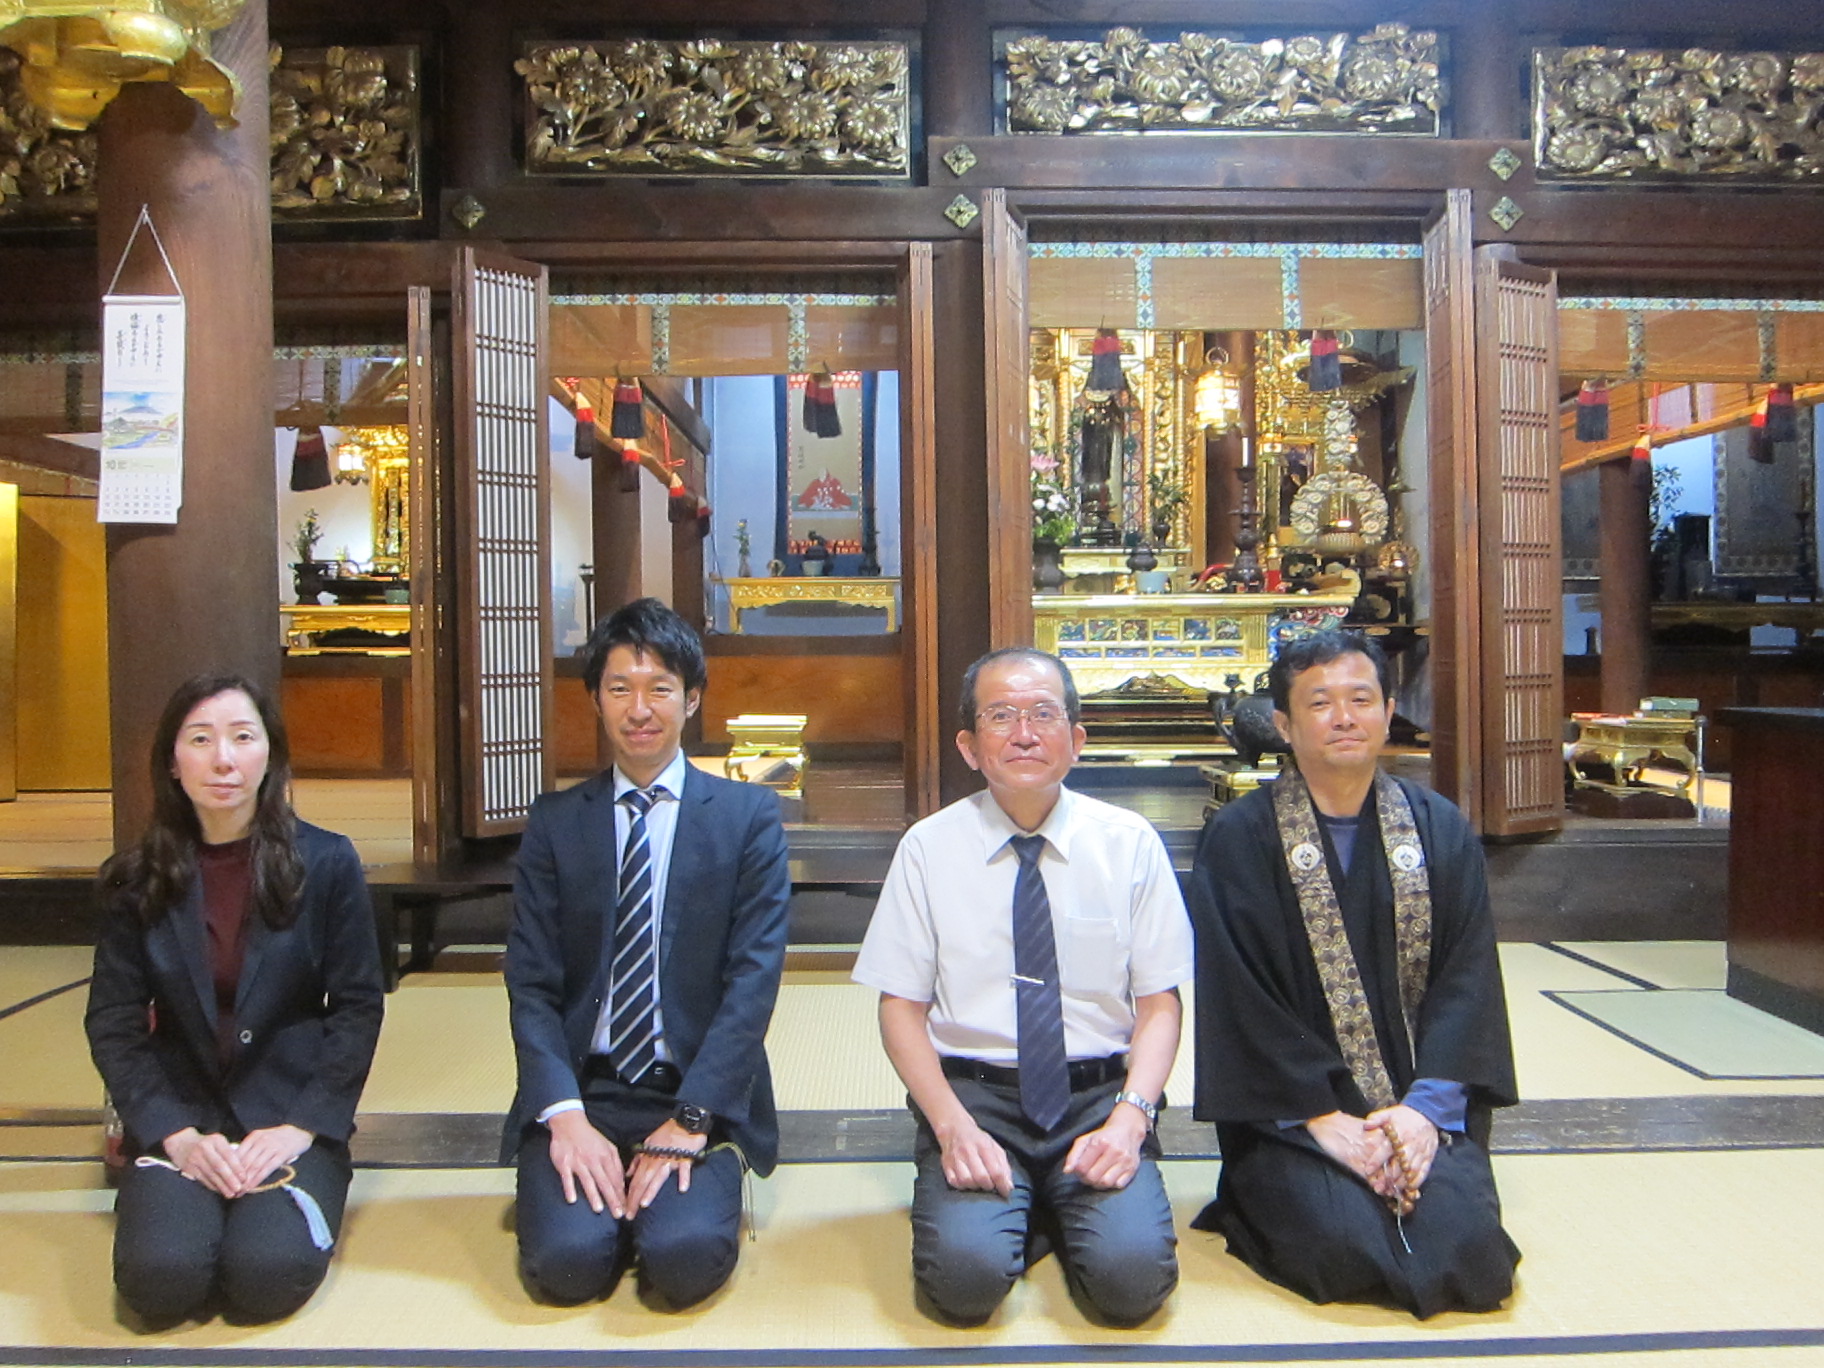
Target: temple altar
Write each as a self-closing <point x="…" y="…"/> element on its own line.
<point x="1201" y="639"/>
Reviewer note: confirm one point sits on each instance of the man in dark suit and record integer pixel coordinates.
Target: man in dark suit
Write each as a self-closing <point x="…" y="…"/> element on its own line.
<point x="648" y="938"/>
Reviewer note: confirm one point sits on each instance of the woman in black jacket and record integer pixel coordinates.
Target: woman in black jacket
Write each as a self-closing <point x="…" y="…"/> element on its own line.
<point x="233" y="1015"/>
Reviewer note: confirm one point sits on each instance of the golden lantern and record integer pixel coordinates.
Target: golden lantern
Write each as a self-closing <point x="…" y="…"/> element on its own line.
<point x="74" y="58"/>
<point x="1216" y="395"/>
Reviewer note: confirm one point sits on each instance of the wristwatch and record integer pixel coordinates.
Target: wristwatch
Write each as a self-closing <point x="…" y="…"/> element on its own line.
<point x="1147" y="1109"/>
<point x="692" y="1118"/>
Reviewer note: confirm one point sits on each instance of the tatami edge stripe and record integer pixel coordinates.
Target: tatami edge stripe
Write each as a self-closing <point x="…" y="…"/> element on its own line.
<point x="1549" y="1346"/>
<point x="1635" y="979"/>
<point x="1558" y="996"/>
<point x="45" y="996"/>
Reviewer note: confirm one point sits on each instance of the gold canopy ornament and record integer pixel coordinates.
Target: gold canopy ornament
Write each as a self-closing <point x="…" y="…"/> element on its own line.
<point x="75" y="58"/>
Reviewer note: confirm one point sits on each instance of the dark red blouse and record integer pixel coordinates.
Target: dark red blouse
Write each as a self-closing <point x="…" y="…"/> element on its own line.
<point x="227" y="874"/>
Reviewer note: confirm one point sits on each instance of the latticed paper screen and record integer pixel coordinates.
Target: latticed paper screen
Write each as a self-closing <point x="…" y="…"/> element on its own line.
<point x="509" y="583"/>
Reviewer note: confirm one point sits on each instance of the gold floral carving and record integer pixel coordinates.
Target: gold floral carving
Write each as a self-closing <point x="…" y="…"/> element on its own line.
<point x="44" y="171"/>
<point x="648" y="108"/>
<point x="345" y="132"/>
<point x="345" y="140"/>
<point x="1624" y="113"/>
<point x="1386" y="81"/>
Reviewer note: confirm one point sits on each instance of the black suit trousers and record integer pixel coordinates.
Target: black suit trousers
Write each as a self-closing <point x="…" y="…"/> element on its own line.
<point x="685" y="1244"/>
<point x="176" y="1242"/>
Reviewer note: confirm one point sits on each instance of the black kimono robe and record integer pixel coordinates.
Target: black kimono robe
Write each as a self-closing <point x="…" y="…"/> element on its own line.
<point x="1267" y="1053"/>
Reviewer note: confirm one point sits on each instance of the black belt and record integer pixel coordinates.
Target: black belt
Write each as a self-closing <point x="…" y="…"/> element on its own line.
<point x="663" y="1076"/>
<point x="1084" y="1073"/>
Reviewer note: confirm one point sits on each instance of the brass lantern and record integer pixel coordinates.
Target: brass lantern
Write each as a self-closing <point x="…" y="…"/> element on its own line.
<point x="1216" y="395"/>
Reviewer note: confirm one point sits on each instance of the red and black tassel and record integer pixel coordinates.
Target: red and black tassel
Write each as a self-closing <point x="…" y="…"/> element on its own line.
<point x="680" y="507"/>
<point x="1105" y="375"/>
<point x="702" y="522"/>
<point x="310" y="461"/>
<point x="820" y="404"/>
<point x="1326" y="372"/>
<point x="1593" y="411"/>
<point x="629" y="418"/>
<point x="1640" y="461"/>
<point x="588" y="442"/>
<point x="1782" y="415"/>
<point x="1760" y="437"/>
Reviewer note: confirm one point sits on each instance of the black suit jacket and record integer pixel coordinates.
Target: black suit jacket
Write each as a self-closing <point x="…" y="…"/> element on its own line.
<point x="722" y="936"/>
<point x="307" y="1010"/>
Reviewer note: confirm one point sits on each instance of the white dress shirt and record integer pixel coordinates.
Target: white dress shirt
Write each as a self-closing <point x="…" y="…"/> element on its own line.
<point x="942" y="932"/>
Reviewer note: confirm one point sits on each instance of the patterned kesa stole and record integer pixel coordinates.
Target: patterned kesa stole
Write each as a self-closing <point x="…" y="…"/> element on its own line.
<point x="1323" y="919"/>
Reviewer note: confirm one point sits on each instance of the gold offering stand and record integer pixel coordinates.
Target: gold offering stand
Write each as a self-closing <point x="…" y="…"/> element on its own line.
<point x="769" y="750"/>
<point x="303" y="623"/>
<point x="865" y="591"/>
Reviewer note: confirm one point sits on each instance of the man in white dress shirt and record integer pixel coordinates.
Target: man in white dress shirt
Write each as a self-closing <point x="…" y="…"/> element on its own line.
<point x="1028" y="947"/>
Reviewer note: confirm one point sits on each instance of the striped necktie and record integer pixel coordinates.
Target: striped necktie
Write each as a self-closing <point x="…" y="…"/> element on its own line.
<point x="1044" y="1068"/>
<point x="632" y="1038"/>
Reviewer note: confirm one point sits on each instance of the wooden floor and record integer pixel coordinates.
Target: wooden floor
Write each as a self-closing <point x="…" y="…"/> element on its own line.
<point x="1665" y="1181"/>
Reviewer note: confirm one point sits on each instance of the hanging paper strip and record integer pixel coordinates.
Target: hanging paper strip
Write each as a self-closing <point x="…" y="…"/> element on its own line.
<point x="142" y="409"/>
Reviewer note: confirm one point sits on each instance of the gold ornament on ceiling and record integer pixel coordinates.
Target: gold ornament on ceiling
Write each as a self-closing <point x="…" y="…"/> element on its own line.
<point x="75" y="58"/>
<point x="650" y="108"/>
<point x="1386" y="81"/>
<point x="1644" y="114"/>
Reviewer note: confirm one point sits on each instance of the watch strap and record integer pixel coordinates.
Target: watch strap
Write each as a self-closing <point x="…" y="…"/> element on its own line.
<point x="1147" y="1109"/>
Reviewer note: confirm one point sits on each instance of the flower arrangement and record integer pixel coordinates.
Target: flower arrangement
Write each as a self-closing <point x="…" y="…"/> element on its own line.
<point x="309" y="533"/>
<point x="1053" y="518"/>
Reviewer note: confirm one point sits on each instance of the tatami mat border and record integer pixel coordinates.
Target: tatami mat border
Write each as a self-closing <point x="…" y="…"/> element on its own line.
<point x="45" y="996"/>
<point x="1542" y="1346"/>
<point x="1634" y="979"/>
<point x="1560" y="998"/>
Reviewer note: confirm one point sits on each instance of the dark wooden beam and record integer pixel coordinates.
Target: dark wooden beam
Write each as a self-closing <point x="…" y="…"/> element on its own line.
<point x="634" y="211"/>
<point x="48" y="453"/>
<point x="1241" y="161"/>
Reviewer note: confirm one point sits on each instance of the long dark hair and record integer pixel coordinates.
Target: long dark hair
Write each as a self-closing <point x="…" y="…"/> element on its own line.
<point x="153" y="876"/>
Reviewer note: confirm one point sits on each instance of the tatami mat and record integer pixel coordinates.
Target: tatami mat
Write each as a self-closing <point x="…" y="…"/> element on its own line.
<point x="1707" y="1032"/>
<point x="26" y="971"/>
<point x="1664" y="964"/>
<point x="445" y="1046"/>
<point x="427" y="1263"/>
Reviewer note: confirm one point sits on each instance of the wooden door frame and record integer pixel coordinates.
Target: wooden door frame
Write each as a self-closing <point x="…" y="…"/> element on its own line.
<point x="910" y="263"/>
<point x="1453" y="482"/>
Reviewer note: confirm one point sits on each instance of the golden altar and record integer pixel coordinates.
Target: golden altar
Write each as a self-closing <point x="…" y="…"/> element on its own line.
<point x="863" y="591"/>
<point x="303" y="623"/>
<point x="1626" y="743"/>
<point x="1202" y="639"/>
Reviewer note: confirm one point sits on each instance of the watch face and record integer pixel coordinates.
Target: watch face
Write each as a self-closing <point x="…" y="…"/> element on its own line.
<point x="693" y="1119"/>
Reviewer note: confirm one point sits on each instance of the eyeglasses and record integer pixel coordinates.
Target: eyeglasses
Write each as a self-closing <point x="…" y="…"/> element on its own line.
<point x="1002" y="718"/>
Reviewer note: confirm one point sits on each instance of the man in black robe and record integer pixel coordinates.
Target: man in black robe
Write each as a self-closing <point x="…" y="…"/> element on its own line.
<point x="1351" y="1030"/>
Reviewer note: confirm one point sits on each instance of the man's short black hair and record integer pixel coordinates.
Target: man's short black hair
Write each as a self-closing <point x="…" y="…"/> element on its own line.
<point x="650" y="628"/>
<point x="1320" y="648"/>
<point x="966" y="707"/>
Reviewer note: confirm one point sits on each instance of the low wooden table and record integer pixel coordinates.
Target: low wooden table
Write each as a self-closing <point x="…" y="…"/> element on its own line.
<point x="862" y="591"/>
<point x="1626" y="743"/>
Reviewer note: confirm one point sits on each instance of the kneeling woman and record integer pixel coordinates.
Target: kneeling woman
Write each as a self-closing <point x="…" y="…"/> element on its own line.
<point x="233" y="1015"/>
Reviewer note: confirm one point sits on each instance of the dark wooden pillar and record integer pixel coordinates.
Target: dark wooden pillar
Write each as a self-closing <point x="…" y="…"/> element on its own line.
<point x="1624" y="594"/>
<point x="959" y="81"/>
<point x="962" y="538"/>
<point x="204" y="594"/>
<point x="478" y="98"/>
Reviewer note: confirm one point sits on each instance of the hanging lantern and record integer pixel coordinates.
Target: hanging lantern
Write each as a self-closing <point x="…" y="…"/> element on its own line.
<point x="1216" y="395"/>
<point x="350" y="461"/>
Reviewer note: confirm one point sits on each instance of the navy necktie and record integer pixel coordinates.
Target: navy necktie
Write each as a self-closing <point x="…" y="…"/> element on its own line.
<point x="633" y="1027"/>
<point x="1044" y="1069"/>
